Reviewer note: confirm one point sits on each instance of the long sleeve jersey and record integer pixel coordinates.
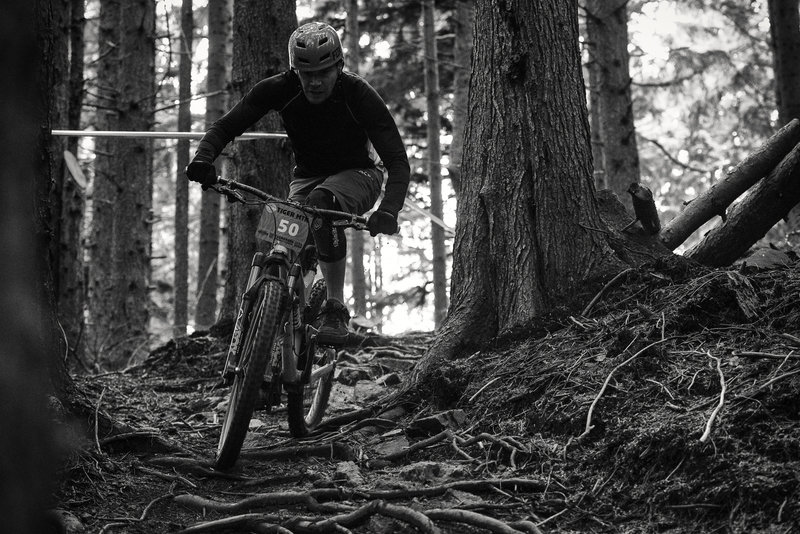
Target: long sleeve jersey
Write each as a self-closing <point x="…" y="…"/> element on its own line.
<point x="326" y="138"/>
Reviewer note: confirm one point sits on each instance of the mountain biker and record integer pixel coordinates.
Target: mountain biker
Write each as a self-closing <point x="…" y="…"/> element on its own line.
<point x="332" y="118"/>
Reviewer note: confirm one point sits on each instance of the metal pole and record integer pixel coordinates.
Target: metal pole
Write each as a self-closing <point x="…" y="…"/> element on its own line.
<point x="160" y="135"/>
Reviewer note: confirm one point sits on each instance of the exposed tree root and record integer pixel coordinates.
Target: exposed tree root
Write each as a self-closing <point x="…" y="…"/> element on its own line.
<point x="348" y="518"/>
<point x="262" y="523"/>
<point x="264" y="500"/>
<point x="333" y="451"/>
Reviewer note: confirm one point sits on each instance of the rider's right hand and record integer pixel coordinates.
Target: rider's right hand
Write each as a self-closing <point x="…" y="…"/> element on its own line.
<point x="203" y="172"/>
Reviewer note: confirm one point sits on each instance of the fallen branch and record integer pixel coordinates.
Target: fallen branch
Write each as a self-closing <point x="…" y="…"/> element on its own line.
<point x="751" y="218"/>
<point x="710" y="421"/>
<point x="723" y="193"/>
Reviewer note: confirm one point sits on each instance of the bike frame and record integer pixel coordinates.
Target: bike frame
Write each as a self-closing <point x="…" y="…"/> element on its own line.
<point x="281" y="265"/>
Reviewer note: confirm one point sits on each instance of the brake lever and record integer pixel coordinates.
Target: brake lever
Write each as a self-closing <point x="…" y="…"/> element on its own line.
<point x="233" y="196"/>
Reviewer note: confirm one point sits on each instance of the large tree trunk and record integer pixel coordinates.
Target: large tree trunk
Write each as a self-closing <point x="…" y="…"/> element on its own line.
<point x="181" y="273"/>
<point x="527" y="179"/>
<point x="219" y="29"/>
<point x="28" y="339"/>
<point x="434" y="164"/>
<point x="263" y="163"/>
<point x="607" y="30"/>
<point x="462" y="57"/>
<point x="120" y="239"/>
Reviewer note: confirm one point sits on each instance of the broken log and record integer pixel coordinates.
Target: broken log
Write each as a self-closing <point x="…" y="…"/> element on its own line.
<point x="749" y="220"/>
<point x="717" y="199"/>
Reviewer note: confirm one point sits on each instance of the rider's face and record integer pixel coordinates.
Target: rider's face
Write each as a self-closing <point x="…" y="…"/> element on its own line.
<point x="318" y="85"/>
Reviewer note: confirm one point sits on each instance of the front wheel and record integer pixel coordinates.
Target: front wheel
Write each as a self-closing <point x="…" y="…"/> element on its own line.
<point x="265" y="316"/>
<point x="306" y="403"/>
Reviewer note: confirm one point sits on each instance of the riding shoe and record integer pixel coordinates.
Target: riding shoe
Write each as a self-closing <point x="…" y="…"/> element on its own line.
<point x="335" y="319"/>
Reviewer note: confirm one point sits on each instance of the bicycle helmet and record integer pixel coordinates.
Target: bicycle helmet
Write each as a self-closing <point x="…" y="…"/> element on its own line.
<point x="314" y="46"/>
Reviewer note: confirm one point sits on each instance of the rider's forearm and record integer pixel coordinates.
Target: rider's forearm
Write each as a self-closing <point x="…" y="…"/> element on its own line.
<point x="396" y="188"/>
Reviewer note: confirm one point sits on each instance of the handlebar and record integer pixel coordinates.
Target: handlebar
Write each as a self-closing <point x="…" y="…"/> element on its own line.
<point x="232" y="191"/>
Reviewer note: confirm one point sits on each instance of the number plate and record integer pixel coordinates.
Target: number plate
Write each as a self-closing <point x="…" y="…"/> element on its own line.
<point x="284" y="225"/>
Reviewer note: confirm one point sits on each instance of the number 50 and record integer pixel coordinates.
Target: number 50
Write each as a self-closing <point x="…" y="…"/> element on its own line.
<point x="285" y="227"/>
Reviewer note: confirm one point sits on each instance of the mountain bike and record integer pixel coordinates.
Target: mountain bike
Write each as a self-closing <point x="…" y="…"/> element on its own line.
<point x="274" y="347"/>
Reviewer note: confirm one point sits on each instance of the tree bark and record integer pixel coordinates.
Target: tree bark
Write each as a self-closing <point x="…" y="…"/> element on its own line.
<point x="784" y="18"/>
<point x="29" y="340"/>
<point x="750" y="219"/>
<point x="607" y="30"/>
<point x="70" y="275"/>
<point x="122" y="200"/>
<point x="527" y="179"/>
<point x="219" y="29"/>
<point x="263" y="163"/>
<point x="181" y="273"/>
<point x="463" y="21"/>
<point x="439" y="251"/>
<point x="356" y="239"/>
<point x="717" y="199"/>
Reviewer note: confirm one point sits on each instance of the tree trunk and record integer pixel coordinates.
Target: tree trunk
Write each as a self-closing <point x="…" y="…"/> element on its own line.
<point x="219" y="29"/>
<point x="28" y="339"/>
<point x="462" y="56"/>
<point x="181" y="274"/>
<point x="784" y="19"/>
<point x="67" y="196"/>
<point x="723" y="193"/>
<point x="527" y="179"/>
<point x="263" y="163"/>
<point x="71" y="284"/>
<point x="434" y="164"/>
<point x="356" y="238"/>
<point x="120" y="238"/>
<point x="607" y="30"/>
<point x="749" y="220"/>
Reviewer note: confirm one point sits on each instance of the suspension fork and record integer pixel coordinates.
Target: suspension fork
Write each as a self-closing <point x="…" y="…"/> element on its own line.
<point x="293" y="327"/>
<point x="232" y="360"/>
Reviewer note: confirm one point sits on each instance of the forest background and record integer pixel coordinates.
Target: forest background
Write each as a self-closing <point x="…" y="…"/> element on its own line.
<point x="702" y="95"/>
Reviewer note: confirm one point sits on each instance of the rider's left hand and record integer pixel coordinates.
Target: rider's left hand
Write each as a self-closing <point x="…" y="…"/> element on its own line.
<point x="382" y="222"/>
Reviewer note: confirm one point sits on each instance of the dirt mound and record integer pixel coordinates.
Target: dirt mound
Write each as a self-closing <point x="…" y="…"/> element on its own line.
<point x="674" y="406"/>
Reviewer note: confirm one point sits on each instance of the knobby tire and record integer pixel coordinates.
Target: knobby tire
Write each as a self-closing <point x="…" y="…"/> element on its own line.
<point x="267" y="312"/>
<point x="306" y="407"/>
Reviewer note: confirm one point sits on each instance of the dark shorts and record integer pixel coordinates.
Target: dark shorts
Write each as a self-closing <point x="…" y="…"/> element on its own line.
<point x="356" y="190"/>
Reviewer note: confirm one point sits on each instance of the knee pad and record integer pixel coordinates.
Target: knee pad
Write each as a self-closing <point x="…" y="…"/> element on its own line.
<point x="331" y="241"/>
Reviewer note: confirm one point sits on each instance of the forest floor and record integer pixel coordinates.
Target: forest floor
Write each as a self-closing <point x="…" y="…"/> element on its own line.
<point x="670" y="405"/>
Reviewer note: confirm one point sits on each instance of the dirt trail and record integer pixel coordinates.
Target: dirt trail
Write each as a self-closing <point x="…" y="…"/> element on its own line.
<point x="672" y="405"/>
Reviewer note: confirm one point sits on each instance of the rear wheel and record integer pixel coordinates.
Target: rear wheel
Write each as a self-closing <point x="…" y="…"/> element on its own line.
<point x="256" y="349"/>
<point x="306" y="403"/>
